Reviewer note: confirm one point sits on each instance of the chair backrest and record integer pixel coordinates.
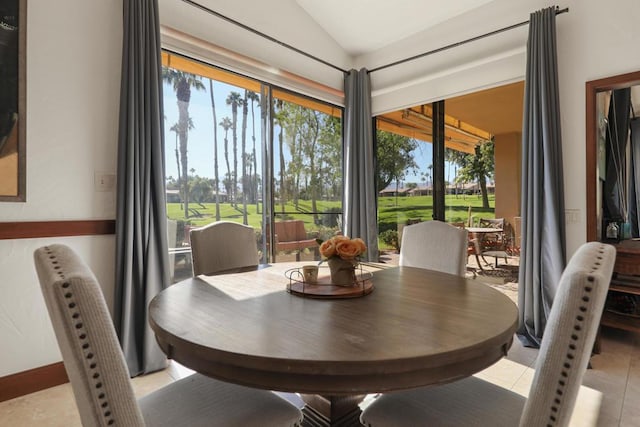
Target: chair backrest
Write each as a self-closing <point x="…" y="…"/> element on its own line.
<point x="290" y="230"/>
<point x="222" y="246"/>
<point x="493" y="241"/>
<point x="491" y="222"/>
<point x="569" y="336"/>
<point x="434" y="245"/>
<point x="90" y="349"/>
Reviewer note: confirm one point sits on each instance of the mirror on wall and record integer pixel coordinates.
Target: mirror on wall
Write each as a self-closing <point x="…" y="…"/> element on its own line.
<point x="12" y="100"/>
<point x="613" y="157"/>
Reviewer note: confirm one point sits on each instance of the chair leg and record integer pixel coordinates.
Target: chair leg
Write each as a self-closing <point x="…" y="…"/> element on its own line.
<point x="472" y="270"/>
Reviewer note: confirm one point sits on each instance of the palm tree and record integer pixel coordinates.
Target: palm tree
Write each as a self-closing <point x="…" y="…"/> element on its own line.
<point x="253" y="97"/>
<point x="313" y="133"/>
<point x="250" y="178"/>
<point x="244" y="158"/>
<point x="234" y="100"/>
<point x="215" y="149"/>
<point x="458" y="159"/>
<point x="182" y="83"/>
<point x="279" y="119"/>
<point x="176" y="128"/>
<point x="226" y="125"/>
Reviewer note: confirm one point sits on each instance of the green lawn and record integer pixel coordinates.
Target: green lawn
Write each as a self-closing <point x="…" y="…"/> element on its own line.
<point x="392" y="211"/>
<point x="201" y="214"/>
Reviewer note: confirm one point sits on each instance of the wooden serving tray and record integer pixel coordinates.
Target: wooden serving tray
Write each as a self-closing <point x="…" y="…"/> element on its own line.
<point x="326" y="290"/>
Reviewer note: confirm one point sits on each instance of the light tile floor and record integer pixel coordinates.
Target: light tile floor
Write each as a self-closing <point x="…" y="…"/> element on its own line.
<point x="609" y="396"/>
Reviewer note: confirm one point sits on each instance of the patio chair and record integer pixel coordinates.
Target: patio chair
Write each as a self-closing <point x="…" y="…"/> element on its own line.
<point x="494" y="244"/>
<point x="473" y="248"/>
<point x="434" y="245"/>
<point x="99" y="376"/>
<point x="223" y="247"/>
<point x="291" y="235"/>
<point x="561" y="363"/>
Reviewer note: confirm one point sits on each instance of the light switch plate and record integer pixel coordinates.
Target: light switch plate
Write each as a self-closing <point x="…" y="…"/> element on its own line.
<point x="104" y="181"/>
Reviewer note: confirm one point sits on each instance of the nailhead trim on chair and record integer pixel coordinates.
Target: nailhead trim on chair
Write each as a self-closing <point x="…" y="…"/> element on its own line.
<point x="575" y="337"/>
<point x="76" y="320"/>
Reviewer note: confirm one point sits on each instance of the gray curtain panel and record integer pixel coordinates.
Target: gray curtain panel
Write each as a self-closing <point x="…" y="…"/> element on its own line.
<point x="360" y="209"/>
<point x="542" y="257"/>
<point x="142" y="268"/>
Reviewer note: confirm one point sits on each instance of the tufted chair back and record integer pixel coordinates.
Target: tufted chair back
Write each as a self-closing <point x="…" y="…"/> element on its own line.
<point x="223" y="246"/>
<point x="569" y="336"/>
<point x="99" y="376"/>
<point x="562" y="360"/>
<point x="90" y="349"/>
<point x="434" y="245"/>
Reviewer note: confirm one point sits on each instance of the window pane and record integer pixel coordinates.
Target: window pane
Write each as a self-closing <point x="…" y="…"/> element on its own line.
<point x="405" y="179"/>
<point x="216" y="141"/>
<point x="466" y="202"/>
<point x="307" y="174"/>
<point x="405" y="185"/>
<point x="213" y="158"/>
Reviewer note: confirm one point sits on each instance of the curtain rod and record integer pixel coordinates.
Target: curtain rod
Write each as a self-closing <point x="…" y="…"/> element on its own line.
<point x="440" y="49"/>
<point x="261" y="34"/>
<point x="382" y="67"/>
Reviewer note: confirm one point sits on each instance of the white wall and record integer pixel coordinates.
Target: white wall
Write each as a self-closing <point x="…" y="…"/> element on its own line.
<point x="492" y="61"/>
<point x="73" y="84"/>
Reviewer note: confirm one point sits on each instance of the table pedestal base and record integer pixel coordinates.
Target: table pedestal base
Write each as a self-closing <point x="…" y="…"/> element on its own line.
<point x="334" y="411"/>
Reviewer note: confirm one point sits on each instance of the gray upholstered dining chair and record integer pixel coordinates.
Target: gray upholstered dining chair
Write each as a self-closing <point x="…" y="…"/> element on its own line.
<point x="562" y="360"/>
<point x="99" y="377"/>
<point x="434" y="245"/>
<point x="223" y="246"/>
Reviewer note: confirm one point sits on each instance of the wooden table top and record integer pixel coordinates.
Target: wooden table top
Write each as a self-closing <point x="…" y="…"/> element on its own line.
<point x="417" y="327"/>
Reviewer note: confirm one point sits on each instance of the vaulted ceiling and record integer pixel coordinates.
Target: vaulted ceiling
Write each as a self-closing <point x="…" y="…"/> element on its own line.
<point x="364" y="26"/>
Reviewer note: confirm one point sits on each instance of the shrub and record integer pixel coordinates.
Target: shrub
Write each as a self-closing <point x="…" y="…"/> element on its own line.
<point x="390" y="238"/>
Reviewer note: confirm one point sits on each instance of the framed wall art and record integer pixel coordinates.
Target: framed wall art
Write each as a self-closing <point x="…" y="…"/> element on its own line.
<point x="12" y="100"/>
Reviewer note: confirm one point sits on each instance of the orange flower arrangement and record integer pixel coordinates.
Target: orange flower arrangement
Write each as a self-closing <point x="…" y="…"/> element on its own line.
<point x="342" y="247"/>
<point x="342" y="253"/>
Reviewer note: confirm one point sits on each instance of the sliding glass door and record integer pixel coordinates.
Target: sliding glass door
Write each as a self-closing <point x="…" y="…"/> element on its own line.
<point x="307" y="174"/>
<point x="237" y="149"/>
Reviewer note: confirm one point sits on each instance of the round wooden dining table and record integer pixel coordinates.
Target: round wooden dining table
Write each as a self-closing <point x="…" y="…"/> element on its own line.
<point x="417" y="327"/>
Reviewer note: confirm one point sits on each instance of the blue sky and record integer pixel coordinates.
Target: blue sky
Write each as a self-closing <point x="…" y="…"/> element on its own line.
<point x="200" y="144"/>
